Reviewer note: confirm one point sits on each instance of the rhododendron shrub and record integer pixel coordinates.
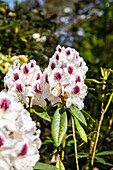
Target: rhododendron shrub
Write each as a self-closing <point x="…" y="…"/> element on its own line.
<point x="61" y="85"/>
<point x="19" y="138"/>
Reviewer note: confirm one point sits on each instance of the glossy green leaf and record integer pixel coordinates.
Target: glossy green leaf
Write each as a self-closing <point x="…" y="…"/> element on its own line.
<point x="87" y="114"/>
<point x="60" y="165"/>
<point x="102" y="161"/>
<point x="80" y="130"/>
<point x="59" y="126"/>
<point x="41" y="113"/>
<point x="78" y="114"/>
<point x="43" y="166"/>
<point x="104" y="153"/>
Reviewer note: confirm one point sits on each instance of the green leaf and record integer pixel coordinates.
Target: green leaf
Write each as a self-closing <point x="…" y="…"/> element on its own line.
<point x="60" y="165"/>
<point x="104" y="153"/>
<point x="102" y="161"/>
<point x="80" y="155"/>
<point x="41" y="113"/>
<point x="87" y="114"/>
<point x="43" y="166"/>
<point x="23" y="39"/>
<point x="59" y="126"/>
<point x="80" y="130"/>
<point x="76" y="113"/>
<point x="5" y="27"/>
<point x="4" y="58"/>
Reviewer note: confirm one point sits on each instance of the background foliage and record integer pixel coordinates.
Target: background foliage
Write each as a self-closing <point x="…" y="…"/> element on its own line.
<point x="83" y="25"/>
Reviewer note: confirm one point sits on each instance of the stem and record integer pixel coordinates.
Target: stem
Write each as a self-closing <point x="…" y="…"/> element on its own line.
<point x="64" y="143"/>
<point x="75" y="143"/>
<point x="98" y="131"/>
<point x="100" y="122"/>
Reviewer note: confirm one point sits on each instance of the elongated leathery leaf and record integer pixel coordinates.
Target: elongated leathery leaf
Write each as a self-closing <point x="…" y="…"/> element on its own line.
<point x="102" y="161"/>
<point x="43" y="166"/>
<point x="80" y="130"/>
<point x="59" y="126"/>
<point x="78" y="114"/>
<point x="41" y="113"/>
<point x="60" y="165"/>
<point x="87" y="115"/>
<point x="104" y="153"/>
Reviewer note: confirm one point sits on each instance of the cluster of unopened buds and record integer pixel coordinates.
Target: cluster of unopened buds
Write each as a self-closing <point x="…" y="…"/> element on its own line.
<point x="19" y="139"/>
<point x="61" y="81"/>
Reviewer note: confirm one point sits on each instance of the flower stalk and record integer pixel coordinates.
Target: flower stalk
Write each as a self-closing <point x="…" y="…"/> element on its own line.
<point x="75" y="143"/>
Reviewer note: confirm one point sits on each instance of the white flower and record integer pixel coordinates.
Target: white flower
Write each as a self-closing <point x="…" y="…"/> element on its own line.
<point x="36" y="35"/>
<point x="63" y="79"/>
<point x="19" y="139"/>
<point x="21" y="82"/>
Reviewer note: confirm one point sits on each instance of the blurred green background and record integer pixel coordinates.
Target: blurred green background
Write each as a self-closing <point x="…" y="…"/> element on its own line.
<point x="31" y="29"/>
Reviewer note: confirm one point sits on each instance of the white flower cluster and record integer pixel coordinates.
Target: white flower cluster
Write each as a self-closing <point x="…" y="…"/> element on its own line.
<point x="19" y="139"/>
<point x="63" y="79"/>
<point x="24" y="83"/>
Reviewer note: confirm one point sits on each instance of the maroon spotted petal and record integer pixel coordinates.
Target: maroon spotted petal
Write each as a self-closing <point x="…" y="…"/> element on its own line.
<point x="76" y="90"/>
<point x="24" y="150"/>
<point x="19" y="88"/>
<point x="1" y="141"/>
<point x="57" y="76"/>
<point x="25" y="70"/>
<point x="16" y="76"/>
<point x="70" y="70"/>
<point x="5" y="103"/>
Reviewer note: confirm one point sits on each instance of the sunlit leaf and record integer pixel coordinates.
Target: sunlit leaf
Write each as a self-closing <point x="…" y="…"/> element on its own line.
<point x="80" y="130"/>
<point x="60" y="165"/>
<point x="78" y="114"/>
<point x="59" y="126"/>
<point x="43" y="166"/>
<point x="41" y="113"/>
